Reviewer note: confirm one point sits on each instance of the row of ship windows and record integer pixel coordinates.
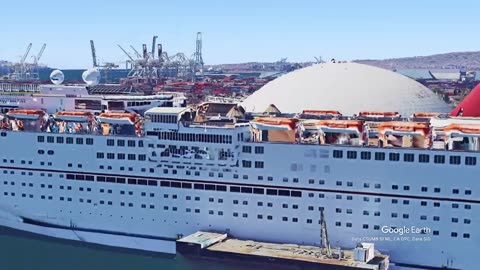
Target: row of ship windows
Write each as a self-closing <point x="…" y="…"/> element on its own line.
<point x="185" y="185"/>
<point x="407" y="157"/>
<point x="258" y="164"/>
<point x="209" y="187"/>
<point x="130" y="143"/>
<point x="235" y="202"/>
<point x="365" y="185"/>
<point x="142" y="157"/>
<point x="248" y="149"/>
<point x="67" y="140"/>
<point x="236" y="214"/>
<point x="121" y="156"/>
<point x="164" y="118"/>
<point x="248" y="164"/>
<point x="192" y="137"/>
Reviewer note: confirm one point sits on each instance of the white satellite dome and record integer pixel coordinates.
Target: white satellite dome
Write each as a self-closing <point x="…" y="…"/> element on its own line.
<point x="345" y="87"/>
<point x="57" y="77"/>
<point x="91" y="76"/>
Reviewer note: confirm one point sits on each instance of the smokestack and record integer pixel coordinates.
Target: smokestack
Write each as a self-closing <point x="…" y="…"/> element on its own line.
<point x="145" y="53"/>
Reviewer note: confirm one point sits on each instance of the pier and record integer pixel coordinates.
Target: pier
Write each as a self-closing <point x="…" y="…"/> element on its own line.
<point x="218" y="246"/>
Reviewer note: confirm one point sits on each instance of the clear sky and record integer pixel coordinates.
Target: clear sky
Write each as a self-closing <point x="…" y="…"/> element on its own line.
<point x="238" y="31"/>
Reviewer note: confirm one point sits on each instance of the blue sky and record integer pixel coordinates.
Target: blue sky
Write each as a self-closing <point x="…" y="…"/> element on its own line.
<point x="238" y="31"/>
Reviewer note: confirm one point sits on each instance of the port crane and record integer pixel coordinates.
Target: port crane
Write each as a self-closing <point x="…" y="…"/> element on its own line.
<point x="136" y="52"/>
<point x="148" y="66"/>
<point x="105" y="67"/>
<point x="318" y="60"/>
<point x="22" y="61"/>
<point x="23" y="71"/>
<point x="40" y="53"/>
<point x="94" y="53"/>
<point x="154" y="43"/>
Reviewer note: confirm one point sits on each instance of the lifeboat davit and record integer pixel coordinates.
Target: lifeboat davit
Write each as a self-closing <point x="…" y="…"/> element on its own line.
<point x="26" y="114"/>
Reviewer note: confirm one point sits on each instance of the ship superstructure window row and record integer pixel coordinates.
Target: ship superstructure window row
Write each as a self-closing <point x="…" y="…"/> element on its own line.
<point x="192" y="137"/>
<point x="186" y="185"/>
<point x="60" y="140"/>
<point x="164" y="118"/>
<point x="174" y="208"/>
<point x="407" y="157"/>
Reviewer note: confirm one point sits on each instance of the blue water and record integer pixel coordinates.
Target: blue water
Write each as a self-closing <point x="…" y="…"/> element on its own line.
<point x="22" y="253"/>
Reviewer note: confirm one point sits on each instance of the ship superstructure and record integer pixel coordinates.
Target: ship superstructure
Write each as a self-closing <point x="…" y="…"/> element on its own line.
<point x="407" y="184"/>
<point x="55" y="98"/>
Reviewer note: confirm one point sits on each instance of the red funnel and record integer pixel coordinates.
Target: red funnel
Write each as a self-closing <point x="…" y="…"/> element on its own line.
<point x="470" y="105"/>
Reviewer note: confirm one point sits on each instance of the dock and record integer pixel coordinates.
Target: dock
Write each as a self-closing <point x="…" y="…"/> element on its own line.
<point x="219" y="246"/>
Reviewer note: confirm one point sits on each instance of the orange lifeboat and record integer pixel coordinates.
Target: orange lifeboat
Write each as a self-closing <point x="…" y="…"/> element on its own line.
<point x="341" y="123"/>
<point x="65" y="113"/>
<point x="26" y="114"/>
<point x="404" y="127"/>
<point x="73" y="116"/>
<point x="463" y="128"/>
<point x="277" y="121"/>
<point x="425" y="115"/>
<point x="118" y="118"/>
<point x="322" y="112"/>
<point x="378" y="114"/>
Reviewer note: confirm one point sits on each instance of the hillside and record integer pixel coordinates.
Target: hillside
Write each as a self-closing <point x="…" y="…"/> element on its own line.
<point x="454" y="60"/>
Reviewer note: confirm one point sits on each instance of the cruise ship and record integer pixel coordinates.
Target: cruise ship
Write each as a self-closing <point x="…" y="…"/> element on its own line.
<point x="175" y="172"/>
<point x="406" y="183"/>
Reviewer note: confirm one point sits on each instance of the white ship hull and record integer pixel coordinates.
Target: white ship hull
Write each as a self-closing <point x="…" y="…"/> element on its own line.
<point x="103" y="198"/>
<point x="117" y="241"/>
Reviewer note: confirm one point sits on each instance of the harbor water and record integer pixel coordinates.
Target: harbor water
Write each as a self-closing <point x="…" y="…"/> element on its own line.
<point x="26" y="253"/>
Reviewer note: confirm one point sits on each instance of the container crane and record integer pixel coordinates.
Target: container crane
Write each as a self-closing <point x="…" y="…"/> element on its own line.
<point x="136" y="52"/>
<point x="154" y="42"/>
<point x="39" y="55"/>
<point x="94" y="55"/>
<point x="22" y="61"/>
<point x="145" y="52"/>
<point x="126" y="53"/>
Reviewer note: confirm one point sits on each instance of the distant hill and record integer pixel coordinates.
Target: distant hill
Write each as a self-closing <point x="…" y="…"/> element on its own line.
<point x="454" y="60"/>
